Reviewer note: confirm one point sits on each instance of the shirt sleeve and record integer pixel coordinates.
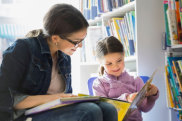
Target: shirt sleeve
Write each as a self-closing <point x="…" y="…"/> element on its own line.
<point x="98" y="88"/>
<point x="12" y="71"/>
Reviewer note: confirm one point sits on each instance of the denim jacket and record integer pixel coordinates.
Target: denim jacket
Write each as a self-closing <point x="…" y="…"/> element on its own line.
<point x="26" y="70"/>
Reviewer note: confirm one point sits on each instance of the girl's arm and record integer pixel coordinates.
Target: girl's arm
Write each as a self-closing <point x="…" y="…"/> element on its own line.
<point x="32" y="101"/>
<point x="98" y="88"/>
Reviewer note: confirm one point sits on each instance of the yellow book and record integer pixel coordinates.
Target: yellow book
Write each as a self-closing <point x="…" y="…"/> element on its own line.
<point x="168" y="89"/>
<point x="121" y="106"/>
<point x="116" y="27"/>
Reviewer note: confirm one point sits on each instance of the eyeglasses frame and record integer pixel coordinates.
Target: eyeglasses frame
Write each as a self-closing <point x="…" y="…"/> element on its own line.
<point x="71" y="41"/>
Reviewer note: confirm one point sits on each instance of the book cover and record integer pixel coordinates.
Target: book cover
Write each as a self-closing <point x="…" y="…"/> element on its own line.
<point x="177" y="74"/>
<point x="179" y="29"/>
<point x="171" y="15"/>
<point x="59" y="103"/>
<point x="168" y="41"/>
<point x="170" y="98"/>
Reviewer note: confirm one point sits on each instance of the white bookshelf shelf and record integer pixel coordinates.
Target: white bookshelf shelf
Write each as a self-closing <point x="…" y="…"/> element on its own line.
<point x="130" y="58"/>
<point x="95" y="21"/>
<point x="119" y="11"/>
<point x="114" y="13"/>
<point x="177" y="46"/>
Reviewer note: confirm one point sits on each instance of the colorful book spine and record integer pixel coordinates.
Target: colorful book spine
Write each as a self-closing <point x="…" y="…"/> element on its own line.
<point x="170" y="98"/>
<point x="168" y="41"/>
<point x="171" y="15"/>
<point x="179" y="29"/>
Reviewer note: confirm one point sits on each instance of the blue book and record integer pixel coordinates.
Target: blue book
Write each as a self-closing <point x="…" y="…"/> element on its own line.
<point x="93" y="12"/>
<point x="86" y="13"/>
<point x="132" y="48"/>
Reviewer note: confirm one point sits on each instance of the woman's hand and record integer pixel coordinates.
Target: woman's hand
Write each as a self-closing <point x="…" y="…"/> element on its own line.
<point x="63" y="95"/>
<point x="131" y="97"/>
<point x="152" y="90"/>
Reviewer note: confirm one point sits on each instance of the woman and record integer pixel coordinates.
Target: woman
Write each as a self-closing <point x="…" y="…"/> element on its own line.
<point x="37" y="69"/>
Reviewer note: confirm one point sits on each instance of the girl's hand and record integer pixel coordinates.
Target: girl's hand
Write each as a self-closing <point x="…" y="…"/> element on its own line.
<point x="152" y="90"/>
<point x="131" y="97"/>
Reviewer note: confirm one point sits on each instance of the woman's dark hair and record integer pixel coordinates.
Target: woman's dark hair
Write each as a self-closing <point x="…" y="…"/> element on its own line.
<point x="62" y="19"/>
<point x="106" y="46"/>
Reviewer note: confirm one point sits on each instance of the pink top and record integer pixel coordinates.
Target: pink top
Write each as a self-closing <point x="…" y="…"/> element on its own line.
<point x="119" y="87"/>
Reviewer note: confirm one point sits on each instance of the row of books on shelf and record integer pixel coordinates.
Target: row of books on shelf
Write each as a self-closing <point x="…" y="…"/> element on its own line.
<point x="12" y="31"/>
<point x="94" y="8"/>
<point x="173" y="22"/>
<point x="173" y="73"/>
<point x="122" y="28"/>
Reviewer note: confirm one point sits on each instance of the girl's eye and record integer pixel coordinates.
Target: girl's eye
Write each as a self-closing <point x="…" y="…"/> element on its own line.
<point x="108" y="64"/>
<point x="119" y="60"/>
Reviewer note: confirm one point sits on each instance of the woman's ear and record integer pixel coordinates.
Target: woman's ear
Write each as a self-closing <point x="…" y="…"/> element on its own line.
<point x="55" y="38"/>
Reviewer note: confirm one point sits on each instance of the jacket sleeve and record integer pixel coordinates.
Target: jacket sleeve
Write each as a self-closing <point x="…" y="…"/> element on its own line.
<point x="12" y="72"/>
<point x="98" y="88"/>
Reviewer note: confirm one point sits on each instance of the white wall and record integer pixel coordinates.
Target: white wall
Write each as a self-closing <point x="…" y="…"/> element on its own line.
<point x="150" y="27"/>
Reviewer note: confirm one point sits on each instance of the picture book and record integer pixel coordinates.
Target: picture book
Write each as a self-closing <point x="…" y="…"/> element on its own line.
<point x="59" y="103"/>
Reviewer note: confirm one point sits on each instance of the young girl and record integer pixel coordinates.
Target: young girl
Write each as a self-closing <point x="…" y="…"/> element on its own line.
<point x="115" y="82"/>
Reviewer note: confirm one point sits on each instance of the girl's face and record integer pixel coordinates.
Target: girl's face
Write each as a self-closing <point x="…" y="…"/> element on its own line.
<point x="67" y="45"/>
<point x="114" y="63"/>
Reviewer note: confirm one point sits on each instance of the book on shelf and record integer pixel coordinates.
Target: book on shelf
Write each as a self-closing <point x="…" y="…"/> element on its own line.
<point x="168" y="40"/>
<point x="170" y="98"/>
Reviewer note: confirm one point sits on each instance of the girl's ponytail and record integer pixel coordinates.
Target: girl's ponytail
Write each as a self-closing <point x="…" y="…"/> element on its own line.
<point x="101" y="70"/>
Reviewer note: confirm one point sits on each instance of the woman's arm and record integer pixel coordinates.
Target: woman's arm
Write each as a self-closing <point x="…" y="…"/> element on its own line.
<point x="32" y="101"/>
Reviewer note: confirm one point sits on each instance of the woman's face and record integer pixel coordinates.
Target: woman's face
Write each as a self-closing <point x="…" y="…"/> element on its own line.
<point x="113" y="63"/>
<point x="68" y="47"/>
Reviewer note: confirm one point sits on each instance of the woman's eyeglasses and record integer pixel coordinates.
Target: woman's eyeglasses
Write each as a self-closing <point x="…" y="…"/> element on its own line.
<point x="71" y="41"/>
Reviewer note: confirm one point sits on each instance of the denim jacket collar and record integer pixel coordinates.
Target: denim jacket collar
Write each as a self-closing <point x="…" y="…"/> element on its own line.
<point x="43" y="45"/>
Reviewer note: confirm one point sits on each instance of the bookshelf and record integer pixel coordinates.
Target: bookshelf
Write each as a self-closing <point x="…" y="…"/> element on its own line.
<point x="173" y="58"/>
<point x="149" y="54"/>
<point x="173" y="51"/>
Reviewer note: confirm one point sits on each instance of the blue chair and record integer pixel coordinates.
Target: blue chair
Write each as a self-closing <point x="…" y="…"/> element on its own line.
<point x="91" y="80"/>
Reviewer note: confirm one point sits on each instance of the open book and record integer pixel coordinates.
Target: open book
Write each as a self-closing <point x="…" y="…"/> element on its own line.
<point x="60" y="102"/>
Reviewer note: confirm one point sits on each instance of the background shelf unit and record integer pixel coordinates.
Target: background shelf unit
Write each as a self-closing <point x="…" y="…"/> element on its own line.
<point x="149" y="54"/>
<point x="175" y="50"/>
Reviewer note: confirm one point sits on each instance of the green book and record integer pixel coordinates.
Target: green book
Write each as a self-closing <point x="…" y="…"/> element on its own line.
<point x="168" y="41"/>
